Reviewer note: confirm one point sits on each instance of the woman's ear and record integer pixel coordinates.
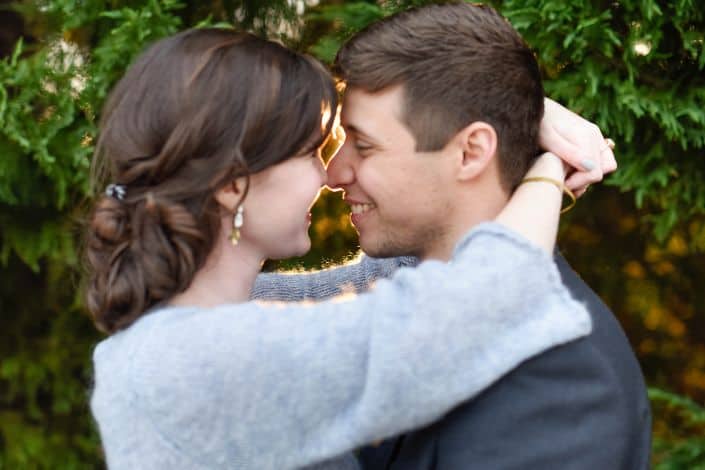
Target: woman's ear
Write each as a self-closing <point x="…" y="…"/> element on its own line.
<point x="230" y="195"/>
<point x="478" y="142"/>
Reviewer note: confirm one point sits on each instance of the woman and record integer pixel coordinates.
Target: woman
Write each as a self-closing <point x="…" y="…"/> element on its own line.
<point x="211" y="141"/>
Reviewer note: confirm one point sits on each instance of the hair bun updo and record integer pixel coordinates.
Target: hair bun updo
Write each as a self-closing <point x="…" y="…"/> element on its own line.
<point x="141" y="254"/>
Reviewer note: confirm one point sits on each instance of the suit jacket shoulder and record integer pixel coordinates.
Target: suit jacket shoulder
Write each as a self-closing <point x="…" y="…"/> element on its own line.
<point x="582" y="405"/>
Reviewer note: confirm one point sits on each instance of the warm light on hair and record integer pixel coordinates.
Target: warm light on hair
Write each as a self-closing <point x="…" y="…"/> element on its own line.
<point x="336" y="138"/>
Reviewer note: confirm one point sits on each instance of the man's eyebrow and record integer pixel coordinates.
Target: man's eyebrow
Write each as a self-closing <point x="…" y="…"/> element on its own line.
<point x="358" y="131"/>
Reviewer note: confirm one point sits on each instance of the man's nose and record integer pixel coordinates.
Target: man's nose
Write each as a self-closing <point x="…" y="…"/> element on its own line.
<point x="341" y="171"/>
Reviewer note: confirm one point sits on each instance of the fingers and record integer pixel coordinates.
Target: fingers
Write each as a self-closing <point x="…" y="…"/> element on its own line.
<point x="606" y="163"/>
<point x="579" y="180"/>
<point x="579" y="192"/>
<point x="609" y="162"/>
<point x="579" y="143"/>
<point x="552" y="140"/>
<point x="594" y="142"/>
<point x="576" y="140"/>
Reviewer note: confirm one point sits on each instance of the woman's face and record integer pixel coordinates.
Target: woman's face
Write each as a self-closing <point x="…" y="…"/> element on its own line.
<point x="278" y="206"/>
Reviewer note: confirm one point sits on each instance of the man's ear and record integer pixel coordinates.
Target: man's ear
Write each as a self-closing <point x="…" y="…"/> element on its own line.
<point x="478" y="142"/>
<point x="230" y="195"/>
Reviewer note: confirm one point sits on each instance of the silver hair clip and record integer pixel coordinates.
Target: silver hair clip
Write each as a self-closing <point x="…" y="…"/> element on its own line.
<point x="117" y="191"/>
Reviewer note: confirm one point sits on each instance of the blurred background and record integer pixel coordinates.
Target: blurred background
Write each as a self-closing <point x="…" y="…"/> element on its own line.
<point x="635" y="67"/>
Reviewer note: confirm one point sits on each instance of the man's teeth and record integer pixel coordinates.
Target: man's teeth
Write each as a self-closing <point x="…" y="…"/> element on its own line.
<point x="361" y="208"/>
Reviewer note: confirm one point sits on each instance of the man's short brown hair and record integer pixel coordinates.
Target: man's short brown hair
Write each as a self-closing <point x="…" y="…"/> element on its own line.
<point x="458" y="63"/>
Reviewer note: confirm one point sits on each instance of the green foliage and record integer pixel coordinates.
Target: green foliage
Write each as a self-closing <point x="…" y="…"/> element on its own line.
<point x="679" y="441"/>
<point x="49" y="99"/>
<point x="132" y="29"/>
<point x="38" y="127"/>
<point x="51" y="91"/>
<point x="635" y="68"/>
<point x="656" y="291"/>
<point x="44" y="383"/>
<point x="344" y="19"/>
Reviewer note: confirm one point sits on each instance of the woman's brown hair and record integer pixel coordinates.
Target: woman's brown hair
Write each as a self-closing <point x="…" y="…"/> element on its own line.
<point x="192" y="113"/>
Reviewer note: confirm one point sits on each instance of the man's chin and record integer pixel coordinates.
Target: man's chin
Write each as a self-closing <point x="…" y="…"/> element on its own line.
<point x="378" y="249"/>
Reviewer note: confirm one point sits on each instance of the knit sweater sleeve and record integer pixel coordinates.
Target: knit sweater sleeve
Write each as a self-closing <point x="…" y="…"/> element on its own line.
<point x="288" y="385"/>
<point x="355" y="276"/>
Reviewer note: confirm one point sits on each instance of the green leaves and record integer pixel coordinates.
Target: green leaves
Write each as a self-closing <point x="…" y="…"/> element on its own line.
<point x="34" y="111"/>
<point x="343" y="20"/>
<point x="130" y="30"/>
<point x="636" y="69"/>
<point x="49" y="99"/>
<point x="673" y="450"/>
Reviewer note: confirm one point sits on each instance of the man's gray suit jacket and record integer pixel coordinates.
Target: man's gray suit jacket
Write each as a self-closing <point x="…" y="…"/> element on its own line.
<point x="581" y="406"/>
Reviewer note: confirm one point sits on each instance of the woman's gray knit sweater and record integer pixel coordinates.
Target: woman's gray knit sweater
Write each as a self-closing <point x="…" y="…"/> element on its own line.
<point x="283" y="386"/>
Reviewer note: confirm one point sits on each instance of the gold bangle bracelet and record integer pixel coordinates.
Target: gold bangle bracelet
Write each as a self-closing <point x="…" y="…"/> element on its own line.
<point x="561" y="187"/>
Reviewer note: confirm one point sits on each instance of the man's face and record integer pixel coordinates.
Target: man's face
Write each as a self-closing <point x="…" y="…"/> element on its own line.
<point x="396" y="194"/>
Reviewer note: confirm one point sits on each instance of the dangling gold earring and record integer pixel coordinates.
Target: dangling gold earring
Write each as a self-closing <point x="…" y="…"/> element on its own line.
<point x="238" y="220"/>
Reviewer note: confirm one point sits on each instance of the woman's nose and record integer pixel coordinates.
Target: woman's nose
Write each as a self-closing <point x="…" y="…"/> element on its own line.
<point x="340" y="169"/>
<point x="322" y="172"/>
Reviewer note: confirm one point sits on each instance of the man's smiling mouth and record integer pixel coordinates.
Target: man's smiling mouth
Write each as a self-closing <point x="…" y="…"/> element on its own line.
<point x="361" y="208"/>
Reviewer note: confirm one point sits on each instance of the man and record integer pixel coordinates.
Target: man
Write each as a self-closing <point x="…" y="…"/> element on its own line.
<point x="442" y="112"/>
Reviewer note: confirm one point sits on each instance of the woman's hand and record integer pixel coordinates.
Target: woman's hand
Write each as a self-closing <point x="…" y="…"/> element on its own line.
<point x="579" y="143"/>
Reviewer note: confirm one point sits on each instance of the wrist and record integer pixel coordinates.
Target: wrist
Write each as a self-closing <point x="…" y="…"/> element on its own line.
<point x="557" y="183"/>
<point x="548" y="166"/>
